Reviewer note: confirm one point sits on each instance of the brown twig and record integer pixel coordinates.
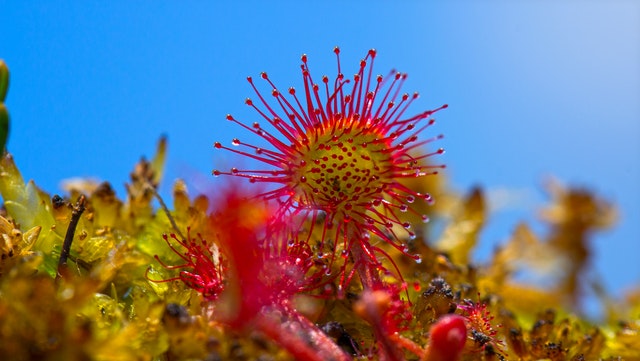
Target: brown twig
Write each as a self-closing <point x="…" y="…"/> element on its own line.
<point x="68" y="238"/>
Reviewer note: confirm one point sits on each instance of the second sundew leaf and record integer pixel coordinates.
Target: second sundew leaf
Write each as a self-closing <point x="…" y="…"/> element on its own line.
<point x="187" y="216"/>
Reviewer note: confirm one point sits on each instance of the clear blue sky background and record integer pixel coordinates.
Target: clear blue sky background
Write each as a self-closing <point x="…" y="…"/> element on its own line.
<point x="535" y="89"/>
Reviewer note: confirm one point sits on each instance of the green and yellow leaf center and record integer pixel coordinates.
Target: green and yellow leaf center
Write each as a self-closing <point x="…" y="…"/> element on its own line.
<point x="338" y="170"/>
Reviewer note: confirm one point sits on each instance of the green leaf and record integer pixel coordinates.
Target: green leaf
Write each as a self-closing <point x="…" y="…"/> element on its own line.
<point x="4" y="114"/>
<point x="4" y="80"/>
<point x="4" y="126"/>
<point x="27" y="205"/>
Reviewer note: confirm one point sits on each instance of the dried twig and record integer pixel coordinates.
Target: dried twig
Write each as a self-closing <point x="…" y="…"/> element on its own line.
<point x="68" y="238"/>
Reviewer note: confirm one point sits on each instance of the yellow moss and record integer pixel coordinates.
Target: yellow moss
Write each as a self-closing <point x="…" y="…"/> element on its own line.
<point x="106" y="306"/>
<point x="28" y="206"/>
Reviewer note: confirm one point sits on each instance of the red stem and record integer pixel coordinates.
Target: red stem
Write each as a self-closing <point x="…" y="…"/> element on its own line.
<point x="299" y="336"/>
<point x="368" y="270"/>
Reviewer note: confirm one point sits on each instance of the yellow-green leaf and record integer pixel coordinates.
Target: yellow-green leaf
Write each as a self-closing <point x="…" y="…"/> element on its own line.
<point x="4" y="80"/>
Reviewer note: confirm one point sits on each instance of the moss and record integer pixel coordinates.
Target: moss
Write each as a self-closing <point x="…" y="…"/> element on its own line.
<point x="143" y="282"/>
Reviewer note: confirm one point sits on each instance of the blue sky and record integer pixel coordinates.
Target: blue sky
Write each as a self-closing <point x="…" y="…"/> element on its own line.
<point x="534" y="89"/>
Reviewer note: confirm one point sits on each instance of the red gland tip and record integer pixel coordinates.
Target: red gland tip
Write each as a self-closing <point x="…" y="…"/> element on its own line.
<point x="336" y="50"/>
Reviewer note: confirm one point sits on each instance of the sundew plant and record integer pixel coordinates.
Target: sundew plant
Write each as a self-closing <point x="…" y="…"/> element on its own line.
<point x="322" y="249"/>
